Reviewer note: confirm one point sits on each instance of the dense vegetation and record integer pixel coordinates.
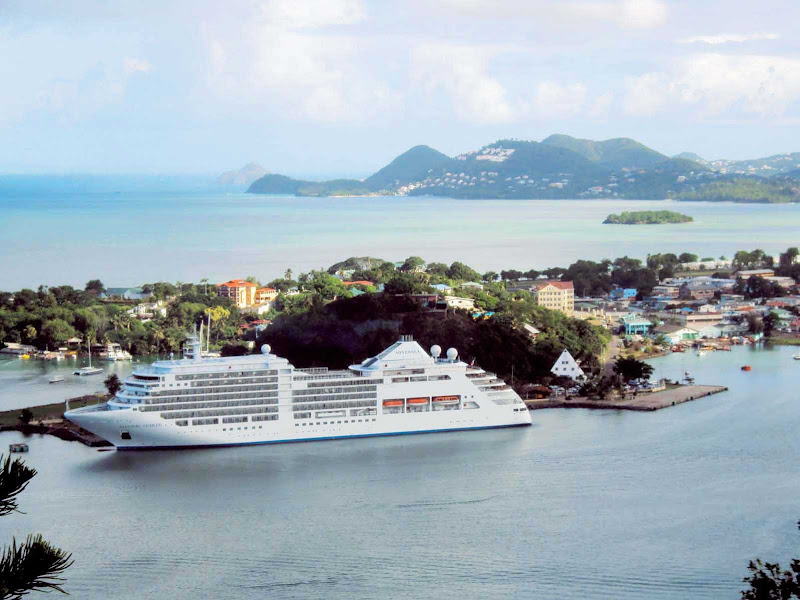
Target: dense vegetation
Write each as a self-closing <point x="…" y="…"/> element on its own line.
<point x="647" y="217"/>
<point x="746" y="189"/>
<point x="48" y="317"/>
<point x="347" y="331"/>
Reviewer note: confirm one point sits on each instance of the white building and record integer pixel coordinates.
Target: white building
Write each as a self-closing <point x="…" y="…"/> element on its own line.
<point x="566" y="366"/>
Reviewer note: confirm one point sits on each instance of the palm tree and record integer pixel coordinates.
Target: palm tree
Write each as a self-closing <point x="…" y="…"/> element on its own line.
<point x="288" y="275"/>
<point x="204" y="281"/>
<point x="35" y="564"/>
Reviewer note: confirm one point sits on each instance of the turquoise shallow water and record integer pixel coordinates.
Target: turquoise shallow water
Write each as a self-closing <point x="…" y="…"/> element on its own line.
<point x="127" y="231"/>
<point x="583" y="505"/>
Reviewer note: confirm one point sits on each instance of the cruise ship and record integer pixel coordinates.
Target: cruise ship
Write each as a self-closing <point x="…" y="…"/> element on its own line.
<point x="262" y="399"/>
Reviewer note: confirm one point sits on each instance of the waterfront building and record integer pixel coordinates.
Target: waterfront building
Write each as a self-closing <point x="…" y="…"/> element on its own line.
<point x="747" y="274"/>
<point x="567" y="366"/>
<point x="636" y="325"/>
<point x="676" y="333"/>
<point x="242" y="293"/>
<point x="262" y="398"/>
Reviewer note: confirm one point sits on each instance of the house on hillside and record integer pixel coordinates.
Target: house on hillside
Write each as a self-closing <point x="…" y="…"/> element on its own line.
<point x="122" y="293"/>
<point x="566" y="366"/>
<point x="636" y="325"/>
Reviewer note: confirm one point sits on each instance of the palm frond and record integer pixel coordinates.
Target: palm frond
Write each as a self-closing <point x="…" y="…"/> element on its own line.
<point x="33" y="565"/>
<point x="14" y="478"/>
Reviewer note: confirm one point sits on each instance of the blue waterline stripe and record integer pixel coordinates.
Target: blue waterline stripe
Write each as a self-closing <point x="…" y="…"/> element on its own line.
<point x="317" y="439"/>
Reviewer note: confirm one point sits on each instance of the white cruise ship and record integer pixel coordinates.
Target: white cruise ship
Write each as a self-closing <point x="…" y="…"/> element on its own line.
<point x="263" y="399"/>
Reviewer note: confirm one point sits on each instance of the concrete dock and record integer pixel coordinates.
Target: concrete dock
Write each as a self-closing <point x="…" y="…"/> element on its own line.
<point x="642" y="402"/>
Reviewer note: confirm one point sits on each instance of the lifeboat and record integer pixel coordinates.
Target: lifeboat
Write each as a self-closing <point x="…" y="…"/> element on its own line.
<point x="417" y="401"/>
<point x="446" y="399"/>
<point x="747" y="368"/>
<point x="393" y="403"/>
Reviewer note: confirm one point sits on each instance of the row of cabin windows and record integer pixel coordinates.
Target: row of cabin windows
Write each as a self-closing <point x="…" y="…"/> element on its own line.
<point x="332" y="422"/>
<point x="334" y="390"/>
<point x="226" y="383"/>
<point x="216" y="390"/>
<point x="334" y="397"/>
<point x="227" y="420"/>
<point x="332" y="405"/>
<point x="222" y="375"/>
<point x="219" y="413"/>
<point x="162" y="407"/>
<point x="209" y="397"/>
<point x="352" y="382"/>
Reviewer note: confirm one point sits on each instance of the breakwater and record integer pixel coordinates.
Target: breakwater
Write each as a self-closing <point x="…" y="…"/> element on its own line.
<point x="642" y="402"/>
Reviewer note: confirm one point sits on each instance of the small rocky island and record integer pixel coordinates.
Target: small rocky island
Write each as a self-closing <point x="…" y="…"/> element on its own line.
<point x="648" y="217"/>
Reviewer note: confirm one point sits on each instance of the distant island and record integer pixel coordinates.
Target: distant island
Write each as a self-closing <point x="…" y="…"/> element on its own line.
<point x="562" y="167"/>
<point x="648" y="217"/>
<point x="244" y="176"/>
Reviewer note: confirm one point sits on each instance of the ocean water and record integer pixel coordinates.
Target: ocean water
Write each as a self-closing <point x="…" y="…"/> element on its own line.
<point x="582" y="505"/>
<point x="131" y="230"/>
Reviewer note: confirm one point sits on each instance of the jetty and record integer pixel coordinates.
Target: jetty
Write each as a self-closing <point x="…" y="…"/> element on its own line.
<point x="49" y="419"/>
<point x="641" y="402"/>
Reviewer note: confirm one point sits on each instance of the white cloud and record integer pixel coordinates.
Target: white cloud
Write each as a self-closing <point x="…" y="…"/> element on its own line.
<point x="291" y="56"/>
<point x="725" y="38"/>
<point x="626" y="14"/>
<point x="299" y="14"/>
<point x="462" y="73"/>
<point x="554" y="100"/>
<point x="717" y="83"/>
<point x="137" y="65"/>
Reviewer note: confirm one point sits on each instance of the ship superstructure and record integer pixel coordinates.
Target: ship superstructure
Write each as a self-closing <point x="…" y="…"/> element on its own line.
<point x="262" y="398"/>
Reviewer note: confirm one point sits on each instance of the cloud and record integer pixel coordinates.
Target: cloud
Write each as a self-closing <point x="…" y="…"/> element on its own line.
<point x="300" y="14"/>
<point x="293" y="56"/>
<point x="137" y="65"/>
<point x="554" y="100"/>
<point x="626" y="14"/>
<point x="725" y="38"/>
<point x="461" y="72"/>
<point x="717" y="83"/>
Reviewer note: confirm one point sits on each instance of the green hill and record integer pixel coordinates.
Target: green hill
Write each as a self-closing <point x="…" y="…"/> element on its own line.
<point x="413" y="165"/>
<point x="614" y="153"/>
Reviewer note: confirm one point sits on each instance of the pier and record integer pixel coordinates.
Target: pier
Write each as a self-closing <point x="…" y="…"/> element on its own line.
<point x="642" y="402"/>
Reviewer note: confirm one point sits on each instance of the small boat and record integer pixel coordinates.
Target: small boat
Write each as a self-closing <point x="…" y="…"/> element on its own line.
<point x="57" y="379"/>
<point x="18" y="447"/>
<point x="796" y="356"/>
<point x="393" y="403"/>
<point x="747" y="368"/>
<point x="445" y="399"/>
<point x="417" y="401"/>
<point x="701" y="352"/>
<point x="25" y="356"/>
<point x="90" y="370"/>
<point x="677" y="348"/>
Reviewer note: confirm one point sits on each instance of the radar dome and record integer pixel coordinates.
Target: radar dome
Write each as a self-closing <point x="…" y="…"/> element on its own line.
<point x="436" y="351"/>
<point x="265" y="349"/>
<point x="452" y="353"/>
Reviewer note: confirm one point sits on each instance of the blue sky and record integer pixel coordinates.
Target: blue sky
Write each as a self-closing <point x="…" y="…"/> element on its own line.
<point x="342" y="86"/>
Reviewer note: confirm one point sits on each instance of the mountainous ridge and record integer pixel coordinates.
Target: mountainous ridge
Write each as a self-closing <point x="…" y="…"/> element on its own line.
<point x="560" y="166"/>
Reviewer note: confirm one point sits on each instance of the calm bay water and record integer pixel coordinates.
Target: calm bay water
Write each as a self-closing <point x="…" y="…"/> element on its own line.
<point x="27" y="382"/>
<point x="128" y="231"/>
<point x="583" y="505"/>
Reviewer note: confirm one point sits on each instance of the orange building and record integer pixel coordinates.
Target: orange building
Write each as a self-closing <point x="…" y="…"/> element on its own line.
<point x="242" y="293"/>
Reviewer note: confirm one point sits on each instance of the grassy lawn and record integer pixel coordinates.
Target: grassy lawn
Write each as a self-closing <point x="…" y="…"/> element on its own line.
<point x="784" y="341"/>
<point x="50" y="411"/>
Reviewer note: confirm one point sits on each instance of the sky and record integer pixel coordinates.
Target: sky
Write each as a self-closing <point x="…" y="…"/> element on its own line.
<point x="340" y="87"/>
